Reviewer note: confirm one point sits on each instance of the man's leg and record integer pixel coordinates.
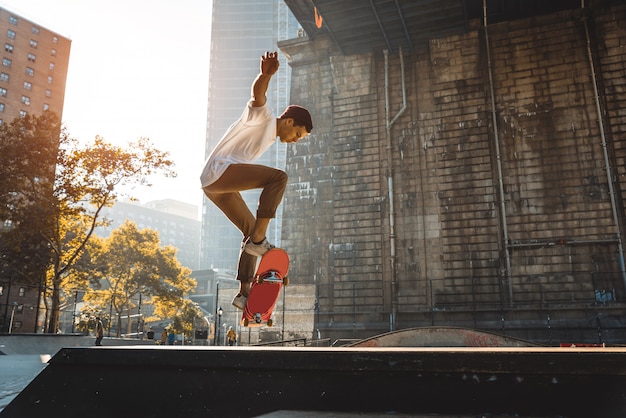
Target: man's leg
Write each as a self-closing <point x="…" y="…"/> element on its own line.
<point x="239" y="177"/>
<point x="236" y="210"/>
<point x="225" y="194"/>
<point x="275" y="183"/>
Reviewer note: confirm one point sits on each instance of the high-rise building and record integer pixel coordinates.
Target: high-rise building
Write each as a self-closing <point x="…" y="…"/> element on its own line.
<point x="32" y="80"/>
<point x="34" y="68"/>
<point x="242" y="30"/>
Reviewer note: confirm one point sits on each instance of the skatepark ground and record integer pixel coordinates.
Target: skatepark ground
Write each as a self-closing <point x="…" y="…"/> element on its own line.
<point x="369" y="381"/>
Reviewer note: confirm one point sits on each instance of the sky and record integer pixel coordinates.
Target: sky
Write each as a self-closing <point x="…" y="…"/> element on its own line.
<point x="138" y="68"/>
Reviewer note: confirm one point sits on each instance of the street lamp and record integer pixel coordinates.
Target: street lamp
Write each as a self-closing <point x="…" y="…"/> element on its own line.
<point x="15" y="305"/>
<point x="217" y="329"/>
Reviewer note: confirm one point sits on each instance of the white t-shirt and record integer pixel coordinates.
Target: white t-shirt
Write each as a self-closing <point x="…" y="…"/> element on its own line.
<point x="243" y="143"/>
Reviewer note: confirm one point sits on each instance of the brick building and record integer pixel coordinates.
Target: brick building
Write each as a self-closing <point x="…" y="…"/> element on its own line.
<point x="461" y="174"/>
<point x="34" y="68"/>
<point x="32" y="80"/>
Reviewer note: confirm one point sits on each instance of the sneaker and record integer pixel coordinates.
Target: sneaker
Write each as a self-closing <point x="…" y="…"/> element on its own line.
<point x="240" y="301"/>
<point x="258" y="249"/>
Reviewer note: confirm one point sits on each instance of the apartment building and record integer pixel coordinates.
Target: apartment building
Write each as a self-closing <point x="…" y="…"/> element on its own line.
<point x="34" y="68"/>
<point x="32" y="80"/>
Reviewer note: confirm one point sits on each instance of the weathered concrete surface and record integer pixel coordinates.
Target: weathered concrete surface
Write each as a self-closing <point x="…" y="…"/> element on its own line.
<point x="216" y="381"/>
<point x="558" y="276"/>
<point x="442" y="337"/>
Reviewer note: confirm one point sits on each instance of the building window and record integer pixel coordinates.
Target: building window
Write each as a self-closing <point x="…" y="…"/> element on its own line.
<point x="27" y="85"/>
<point x="3" y="92"/>
<point x="49" y="79"/>
<point x="23" y="113"/>
<point x="48" y="93"/>
<point x="13" y="20"/>
<point x="4" y="77"/>
<point x="26" y="100"/>
<point x="35" y="30"/>
<point x="2" y="110"/>
<point x="1" y="290"/>
<point x="17" y="324"/>
<point x="34" y="43"/>
<point x="20" y="309"/>
<point x="10" y="34"/>
<point x="51" y="66"/>
<point x="8" y="48"/>
<point x="21" y="292"/>
<point x="30" y="71"/>
<point x="32" y="57"/>
<point x="46" y="106"/>
<point x="54" y="52"/>
<point x="6" y="62"/>
<point x="55" y="39"/>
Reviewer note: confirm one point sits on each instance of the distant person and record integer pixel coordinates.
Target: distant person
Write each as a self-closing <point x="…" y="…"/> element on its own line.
<point x="99" y="331"/>
<point x="164" y="337"/>
<point x="230" y="170"/>
<point x="150" y="334"/>
<point x="171" y="337"/>
<point x="232" y="336"/>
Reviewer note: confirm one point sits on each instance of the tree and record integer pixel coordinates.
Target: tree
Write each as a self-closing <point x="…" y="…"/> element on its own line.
<point x="55" y="192"/>
<point x="28" y="154"/>
<point x="88" y="179"/>
<point x="132" y="264"/>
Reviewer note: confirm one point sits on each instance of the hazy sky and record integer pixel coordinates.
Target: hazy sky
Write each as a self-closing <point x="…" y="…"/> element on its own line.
<point x="138" y="68"/>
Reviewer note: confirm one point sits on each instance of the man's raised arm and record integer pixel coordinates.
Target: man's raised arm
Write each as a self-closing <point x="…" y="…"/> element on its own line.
<point x="269" y="66"/>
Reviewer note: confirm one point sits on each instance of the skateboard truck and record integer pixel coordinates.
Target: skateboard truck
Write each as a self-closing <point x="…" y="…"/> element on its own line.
<point x="272" y="277"/>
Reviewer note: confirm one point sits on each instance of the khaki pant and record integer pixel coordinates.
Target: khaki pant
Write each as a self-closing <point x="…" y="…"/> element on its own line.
<point x="224" y="192"/>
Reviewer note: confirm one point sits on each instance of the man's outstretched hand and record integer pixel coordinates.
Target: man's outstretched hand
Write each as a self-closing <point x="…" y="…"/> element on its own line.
<point x="269" y="63"/>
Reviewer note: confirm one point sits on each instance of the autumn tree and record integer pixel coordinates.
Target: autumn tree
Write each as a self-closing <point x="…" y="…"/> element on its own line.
<point x="89" y="178"/>
<point x="131" y="266"/>
<point x="28" y="155"/>
<point x="57" y="190"/>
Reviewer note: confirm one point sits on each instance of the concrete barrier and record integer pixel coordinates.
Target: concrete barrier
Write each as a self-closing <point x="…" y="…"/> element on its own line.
<point x="52" y="343"/>
<point x="245" y="382"/>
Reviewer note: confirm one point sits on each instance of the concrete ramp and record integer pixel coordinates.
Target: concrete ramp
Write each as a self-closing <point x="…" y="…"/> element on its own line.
<point x="247" y="382"/>
<point x="442" y="337"/>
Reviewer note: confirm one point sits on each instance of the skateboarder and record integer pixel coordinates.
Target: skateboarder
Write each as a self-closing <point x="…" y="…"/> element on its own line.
<point x="229" y="170"/>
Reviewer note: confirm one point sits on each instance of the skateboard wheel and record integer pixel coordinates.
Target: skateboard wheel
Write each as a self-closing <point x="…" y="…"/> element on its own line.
<point x="260" y="280"/>
<point x="270" y="322"/>
<point x="286" y="281"/>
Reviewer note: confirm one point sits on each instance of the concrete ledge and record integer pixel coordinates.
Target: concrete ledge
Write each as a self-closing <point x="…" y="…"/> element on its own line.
<point x="217" y="381"/>
<point x="52" y="343"/>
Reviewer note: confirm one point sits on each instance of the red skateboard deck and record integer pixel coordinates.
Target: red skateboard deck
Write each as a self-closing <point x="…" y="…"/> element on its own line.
<point x="270" y="277"/>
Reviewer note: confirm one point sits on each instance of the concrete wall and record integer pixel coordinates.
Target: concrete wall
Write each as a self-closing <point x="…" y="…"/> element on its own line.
<point x="501" y="220"/>
<point x="253" y="382"/>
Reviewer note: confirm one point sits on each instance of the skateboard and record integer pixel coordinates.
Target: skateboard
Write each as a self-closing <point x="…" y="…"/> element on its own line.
<point x="270" y="277"/>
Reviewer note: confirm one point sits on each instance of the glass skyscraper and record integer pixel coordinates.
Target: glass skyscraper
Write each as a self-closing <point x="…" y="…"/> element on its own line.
<point x="241" y="31"/>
